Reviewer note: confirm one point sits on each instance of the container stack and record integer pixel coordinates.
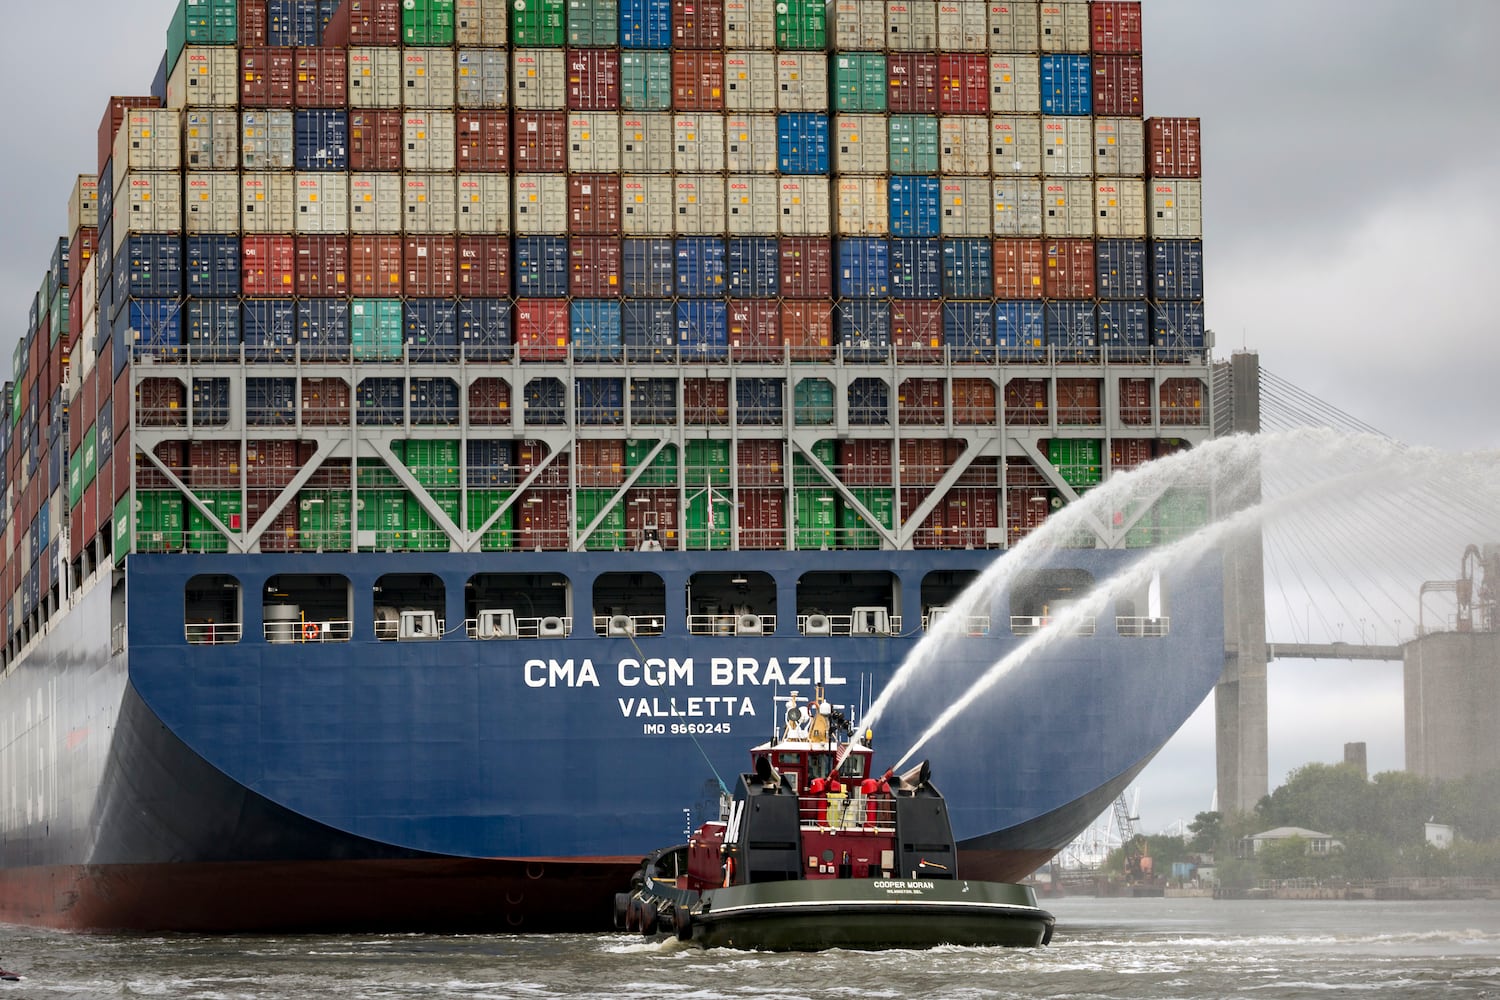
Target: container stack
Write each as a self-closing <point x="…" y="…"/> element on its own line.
<point x="728" y="273"/>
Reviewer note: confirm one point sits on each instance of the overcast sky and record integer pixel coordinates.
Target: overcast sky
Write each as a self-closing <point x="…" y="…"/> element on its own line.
<point x="1350" y="228"/>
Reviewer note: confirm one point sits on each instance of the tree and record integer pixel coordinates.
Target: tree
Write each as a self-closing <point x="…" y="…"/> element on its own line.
<point x="1206" y="828"/>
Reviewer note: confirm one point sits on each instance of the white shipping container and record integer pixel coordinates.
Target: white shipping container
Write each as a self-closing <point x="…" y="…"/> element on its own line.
<point x="431" y="203"/>
<point x="147" y="203"/>
<point x="205" y="76"/>
<point x="864" y="208"/>
<point x="1065" y="26"/>
<point x="375" y="78"/>
<point x="149" y="139"/>
<point x="750" y="81"/>
<point x="88" y="295"/>
<point x="83" y="204"/>
<point x="911" y="25"/>
<point x="1067" y="147"/>
<point x="964" y="144"/>
<point x="594" y="142"/>
<point x="1018" y="206"/>
<point x="964" y="25"/>
<point x="1068" y="207"/>
<point x="860" y="145"/>
<point x="646" y="205"/>
<point x="322" y="203"/>
<point x="1015" y="85"/>
<point x="431" y="142"/>
<point x="806" y="206"/>
<point x="1120" y="207"/>
<point x="267" y="140"/>
<point x="375" y="203"/>
<point x="540" y="79"/>
<point x="1120" y="147"/>
<point x="699" y="204"/>
<point x="749" y="24"/>
<point x="210" y="140"/>
<point x="1016" y="145"/>
<point x="427" y="79"/>
<point x="801" y="81"/>
<point x="750" y="144"/>
<point x="483" y="78"/>
<point x="211" y="203"/>
<point x="1014" y="25"/>
<point x="484" y="204"/>
<point x="698" y="142"/>
<point x="965" y="206"/>
<point x="858" y="25"/>
<point x="1175" y="210"/>
<point x="481" y="22"/>
<point x="267" y="203"/>
<point x="645" y="142"/>
<point x="751" y="205"/>
<point x="541" y="205"/>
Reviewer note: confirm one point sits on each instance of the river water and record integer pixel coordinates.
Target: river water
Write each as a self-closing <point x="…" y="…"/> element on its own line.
<point x="1104" y="948"/>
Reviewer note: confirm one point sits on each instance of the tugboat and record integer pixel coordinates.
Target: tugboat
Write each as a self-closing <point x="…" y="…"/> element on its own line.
<point x="813" y="850"/>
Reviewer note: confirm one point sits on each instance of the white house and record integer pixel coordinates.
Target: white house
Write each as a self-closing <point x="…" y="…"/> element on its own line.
<point x="1318" y="844"/>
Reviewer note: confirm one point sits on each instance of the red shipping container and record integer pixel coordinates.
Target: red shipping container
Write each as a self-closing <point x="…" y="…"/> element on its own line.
<point x="376" y="140"/>
<point x="923" y="461"/>
<point x="981" y="472"/>
<point x="594" y="203"/>
<point x="1116" y="26"/>
<point x="80" y="252"/>
<point x="114" y="115"/>
<point x="929" y="534"/>
<point x="761" y="462"/>
<point x="268" y="265"/>
<point x="754" y="330"/>
<point x="267" y="77"/>
<point x="76" y="536"/>
<point x="762" y="517"/>
<point x="866" y="462"/>
<point x="541" y="142"/>
<point x="697" y="80"/>
<point x="483" y="141"/>
<point x="1026" y="402"/>
<point x="253" y="22"/>
<point x="974" y="402"/>
<point x="325" y="402"/>
<point x="322" y="79"/>
<point x="374" y="22"/>
<point x="322" y="266"/>
<point x="806" y="268"/>
<point x="1019" y="264"/>
<point x="213" y="464"/>
<point x="1181" y="402"/>
<point x="161" y="402"/>
<point x="430" y="266"/>
<point x="698" y="24"/>
<point x="1026" y="507"/>
<point x="1135" y="401"/>
<point x="272" y="464"/>
<point x="541" y="329"/>
<point x="594" y="266"/>
<point x="542" y="520"/>
<point x="489" y="402"/>
<point x="1069" y="270"/>
<point x="807" y="329"/>
<point x="705" y="401"/>
<point x="917" y="329"/>
<point x="282" y="534"/>
<point x="913" y="80"/>
<point x="658" y="510"/>
<point x="1174" y="147"/>
<point x="90" y="518"/>
<point x="375" y="266"/>
<point x="593" y="79"/>
<point x="1078" y="401"/>
<point x="1128" y="453"/>
<point x="483" y="267"/>
<point x="530" y="454"/>
<point x="600" y="462"/>
<point x="1118" y="86"/>
<point x="968" y="514"/>
<point x="964" y="84"/>
<point x="920" y="401"/>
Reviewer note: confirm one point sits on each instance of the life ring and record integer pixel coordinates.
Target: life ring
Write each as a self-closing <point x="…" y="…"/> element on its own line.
<point x="310" y="631"/>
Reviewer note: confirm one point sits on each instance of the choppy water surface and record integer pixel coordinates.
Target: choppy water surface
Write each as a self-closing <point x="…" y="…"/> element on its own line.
<point x="1103" y="948"/>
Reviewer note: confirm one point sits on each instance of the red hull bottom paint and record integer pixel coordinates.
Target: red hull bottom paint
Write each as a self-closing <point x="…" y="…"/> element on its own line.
<point x="438" y="895"/>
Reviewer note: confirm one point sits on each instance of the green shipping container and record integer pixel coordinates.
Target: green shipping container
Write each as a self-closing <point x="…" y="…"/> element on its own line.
<point x="610" y="535"/>
<point x="90" y="455"/>
<point x="323" y="518"/>
<point x="202" y="535"/>
<point x="913" y="144"/>
<point x="537" y="22"/>
<point x="201" y="22"/>
<point x="384" y="513"/>
<point x="75" y="480"/>
<point x="1079" y="462"/>
<point x="422" y="531"/>
<point x="817" y="514"/>
<point x="593" y="23"/>
<point x="854" y="531"/>
<point x="501" y="535"/>
<point x="1179" y="513"/>
<point x="645" y="80"/>
<point x="122" y="522"/>
<point x="801" y="24"/>
<point x="59" y="314"/>
<point x="814" y="402"/>
<point x="428" y="22"/>
<point x="376" y="475"/>
<point x="707" y="463"/>
<point x="803" y="472"/>
<point x="708" y="528"/>
<point x="375" y="329"/>
<point x="434" y="464"/>
<point x="859" y="82"/>
<point x="663" y="471"/>
<point x="158" y="520"/>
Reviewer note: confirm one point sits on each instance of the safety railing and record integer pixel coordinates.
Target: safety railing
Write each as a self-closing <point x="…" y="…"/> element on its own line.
<point x="1032" y="624"/>
<point x="1137" y="627"/>
<point x="735" y="624"/>
<point x="850" y="625"/>
<point x="619" y="625"/>
<point x="973" y="624"/>
<point x="213" y="633"/>
<point x="546" y="627"/>
<point x="332" y="630"/>
<point x="845" y="811"/>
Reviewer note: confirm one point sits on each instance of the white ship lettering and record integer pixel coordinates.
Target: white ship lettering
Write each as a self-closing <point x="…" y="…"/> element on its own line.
<point x="656" y="672"/>
<point x="808" y="670"/>
<point x="555" y="673"/>
<point x="718" y="707"/>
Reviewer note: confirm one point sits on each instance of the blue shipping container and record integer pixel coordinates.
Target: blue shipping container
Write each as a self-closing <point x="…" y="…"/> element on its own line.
<point x="541" y="267"/>
<point x="869" y="402"/>
<point x="484" y="329"/>
<point x="915" y="206"/>
<point x="968" y="269"/>
<point x="702" y="330"/>
<point x="969" y="330"/>
<point x="431" y="329"/>
<point x="323" y="329"/>
<point x="802" y="142"/>
<point x="321" y="140"/>
<point x="645" y="24"/>
<point x="649" y="268"/>
<point x="381" y="401"/>
<point x="1020" y="334"/>
<point x="594" y="330"/>
<point x="1120" y="269"/>
<point x="269" y="328"/>
<point x="753" y="267"/>
<point x="865" y="329"/>
<point x="148" y="326"/>
<point x="293" y="22"/>
<point x="213" y="266"/>
<point x="1177" y="328"/>
<point x="270" y="402"/>
<point x="916" y="269"/>
<point x="1125" y="329"/>
<point x="1067" y="85"/>
<point x="864" y="268"/>
<point x="759" y="402"/>
<point x="1072" y="330"/>
<point x="700" y="265"/>
<point x="210" y="402"/>
<point x="1177" y="269"/>
<point x="653" y="400"/>
<point x="213" y="328"/>
<point x="649" y="329"/>
<point x="434" y="402"/>
<point x="600" y="402"/>
<point x="490" y="464"/>
<point x="546" y="401"/>
<point x="148" y="266"/>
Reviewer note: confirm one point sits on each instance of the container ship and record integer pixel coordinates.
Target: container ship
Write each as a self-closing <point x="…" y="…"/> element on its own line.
<point x="448" y="426"/>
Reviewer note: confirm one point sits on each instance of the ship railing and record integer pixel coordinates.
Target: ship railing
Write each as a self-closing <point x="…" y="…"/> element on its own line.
<point x="213" y="633"/>
<point x="625" y="625"/>
<point x="1032" y="624"/>
<point x="975" y="625"/>
<point x="1133" y="626"/>
<point x="333" y="630"/>
<point x="747" y="623"/>
<point x="390" y="630"/>
<point x="850" y="625"/>
<point x="548" y="627"/>
<point x="845" y="811"/>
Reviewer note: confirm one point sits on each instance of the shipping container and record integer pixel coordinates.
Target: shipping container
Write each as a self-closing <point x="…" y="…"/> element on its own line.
<point x="1015" y="82"/>
<point x="917" y="330"/>
<point x="1176" y="269"/>
<point x="489" y="403"/>
<point x="653" y="401"/>
<point x="965" y="208"/>
<point x="1118" y="82"/>
<point x="1067" y="85"/>
<point x="1174" y="147"/>
<point x="752" y="267"/>
<point x="539" y="79"/>
<point x="594" y="266"/>
<point x="754" y="330"/>
<point x="541" y="267"/>
<point x="1175" y="209"/>
<point x="702" y="330"/>
<point x="481" y="142"/>
<point x="431" y="329"/>
<point x="484" y="330"/>
<point x="376" y="22"/>
<point x="541" y="327"/>
<point x="483" y="78"/>
<point x="541" y="204"/>
<point x="1125" y="329"/>
<point x="921" y="206"/>
<point x="375" y="77"/>
<point x="1067" y="207"/>
<point x="596" y="334"/>
<point x="1121" y="269"/>
<point x="594" y="202"/>
<point x="594" y="23"/>
<point x="916" y="269"/>
<point x="428" y="78"/>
